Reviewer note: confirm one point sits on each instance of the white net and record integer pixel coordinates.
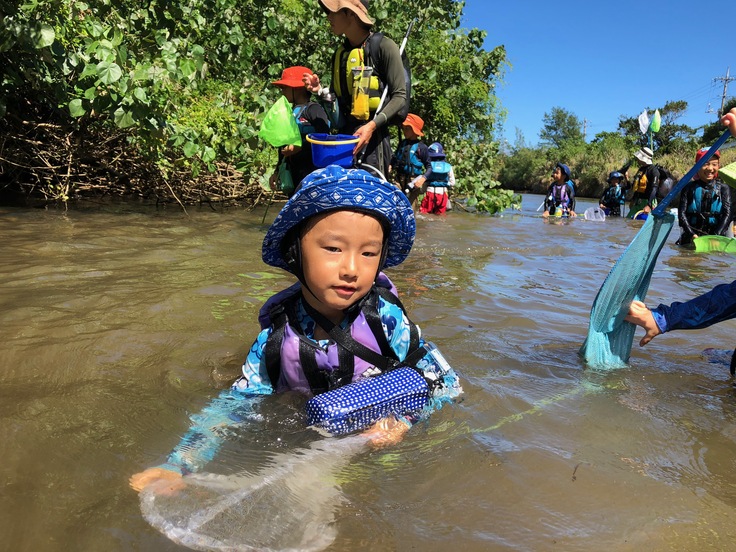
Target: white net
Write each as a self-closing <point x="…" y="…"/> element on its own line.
<point x="288" y="506"/>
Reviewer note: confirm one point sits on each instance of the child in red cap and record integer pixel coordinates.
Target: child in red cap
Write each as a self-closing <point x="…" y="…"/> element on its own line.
<point x="705" y="203"/>
<point x="410" y="161"/>
<point x="310" y="118"/>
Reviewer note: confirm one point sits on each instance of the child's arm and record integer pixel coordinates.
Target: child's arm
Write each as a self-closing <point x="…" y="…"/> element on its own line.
<point x="203" y="439"/>
<point x="391" y="430"/>
<point x="640" y="315"/>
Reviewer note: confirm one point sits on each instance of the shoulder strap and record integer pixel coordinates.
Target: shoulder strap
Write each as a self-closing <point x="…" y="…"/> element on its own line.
<point x="272" y="349"/>
<point x="319" y="380"/>
<point x="344" y="338"/>
<point x="371" y="46"/>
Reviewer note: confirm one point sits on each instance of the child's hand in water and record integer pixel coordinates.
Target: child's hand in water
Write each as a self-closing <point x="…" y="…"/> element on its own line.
<point x="167" y="481"/>
<point x="385" y="432"/>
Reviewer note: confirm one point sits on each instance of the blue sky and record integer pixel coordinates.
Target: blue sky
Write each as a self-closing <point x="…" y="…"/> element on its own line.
<point x="600" y="60"/>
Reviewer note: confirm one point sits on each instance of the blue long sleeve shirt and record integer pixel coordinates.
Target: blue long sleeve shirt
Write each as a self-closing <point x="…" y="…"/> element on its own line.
<point x="715" y="306"/>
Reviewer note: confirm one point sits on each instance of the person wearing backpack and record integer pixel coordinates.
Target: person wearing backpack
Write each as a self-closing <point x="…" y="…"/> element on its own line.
<point x="295" y="162"/>
<point x="645" y="184"/>
<point x="439" y="181"/>
<point x="560" y="199"/>
<point x="614" y="195"/>
<point x="705" y="203"/>
<point x="410" y="161"/>
<point x="363" y="48"/>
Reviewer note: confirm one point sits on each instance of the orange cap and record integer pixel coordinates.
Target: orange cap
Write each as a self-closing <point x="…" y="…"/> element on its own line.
<point x="415" y="122"/>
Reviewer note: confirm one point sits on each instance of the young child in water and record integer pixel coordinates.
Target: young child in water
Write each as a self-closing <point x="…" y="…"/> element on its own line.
<point x="336" y="234"/>
<point x="712" y="307"/>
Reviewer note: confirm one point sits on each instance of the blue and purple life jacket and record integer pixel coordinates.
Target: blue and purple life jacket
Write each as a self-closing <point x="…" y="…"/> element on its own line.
<point x="297" y="362"/>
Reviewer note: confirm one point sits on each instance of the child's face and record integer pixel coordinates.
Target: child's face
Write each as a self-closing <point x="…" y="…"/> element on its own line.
<point x="409" y="133"/>
<point x="340" y="256"/>
<point x="709" y="171"/>
<point x="558" y="175"/>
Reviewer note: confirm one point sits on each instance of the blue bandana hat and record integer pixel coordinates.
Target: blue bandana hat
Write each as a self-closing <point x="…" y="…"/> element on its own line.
<point x="336" y="188"/>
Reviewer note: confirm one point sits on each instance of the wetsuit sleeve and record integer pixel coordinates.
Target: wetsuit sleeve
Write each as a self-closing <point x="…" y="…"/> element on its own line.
<point x="653" y="177"/>
<point x="423" y="156"/>
<point x="255" y="380"/>
<point x="232" y="407"/>
<point x="725" y="219"/>
<point x="547" y="201"/>
<point x="388" y="58"/>
<point x="685" y="198"/>
<point x="570" y="195"/>
<point x="209" y="429"/>
<point x="317" y="117"/>
<point x="717" y="305"/>
<point x="397" y="327"/>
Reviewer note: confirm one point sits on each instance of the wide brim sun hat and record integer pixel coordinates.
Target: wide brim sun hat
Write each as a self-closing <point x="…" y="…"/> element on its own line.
<point x="292" y="76"/>
<point x="336" y="188"/>
<point x="358" y="7"/>
<point x="415" y="122"/>
<point x="644" y="155"/>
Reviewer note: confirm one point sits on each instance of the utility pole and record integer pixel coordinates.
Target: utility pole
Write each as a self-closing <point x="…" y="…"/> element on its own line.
<point x="725" y="81"/>
<point x="585" y="128"/>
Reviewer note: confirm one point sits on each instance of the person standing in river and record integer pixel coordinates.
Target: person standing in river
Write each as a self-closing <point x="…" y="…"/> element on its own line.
<point x="310" y="118"/>
<point x="560" y="198"/>
<point x="410" y="161"/>
<point x="644" y="185"/>
<point x="362" y="47"/>
<point x="705" y="203"/>
<point x="342" y="323"/>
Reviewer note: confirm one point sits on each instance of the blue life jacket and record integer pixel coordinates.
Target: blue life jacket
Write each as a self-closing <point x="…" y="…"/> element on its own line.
<point x="440" y="175"/>
<point x="409" y="163"/>
<point x="706" y="205"/>
<point x="614" y="195"/>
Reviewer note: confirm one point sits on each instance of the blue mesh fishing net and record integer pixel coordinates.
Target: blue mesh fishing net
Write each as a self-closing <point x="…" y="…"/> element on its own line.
<point x="608" y="344"/>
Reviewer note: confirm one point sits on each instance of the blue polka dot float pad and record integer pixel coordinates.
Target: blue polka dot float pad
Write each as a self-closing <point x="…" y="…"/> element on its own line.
<point x="362" y="403"/>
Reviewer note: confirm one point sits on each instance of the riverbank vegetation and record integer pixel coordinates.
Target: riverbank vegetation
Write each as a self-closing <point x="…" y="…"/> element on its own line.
<point x="528" y="169"/>
<point x="163" y="101"/>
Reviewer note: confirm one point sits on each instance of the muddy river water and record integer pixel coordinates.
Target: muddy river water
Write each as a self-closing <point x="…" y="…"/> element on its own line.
<point x="116" y="323"/>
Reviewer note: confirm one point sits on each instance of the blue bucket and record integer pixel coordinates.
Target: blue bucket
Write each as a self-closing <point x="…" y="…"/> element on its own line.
<point x="332" y="149"/>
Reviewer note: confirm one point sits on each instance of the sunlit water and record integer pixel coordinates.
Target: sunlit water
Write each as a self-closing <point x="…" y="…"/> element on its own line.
<point x="117" y="323"/>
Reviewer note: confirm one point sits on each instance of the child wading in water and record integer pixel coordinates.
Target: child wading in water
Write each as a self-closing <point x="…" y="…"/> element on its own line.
<point x="336" y="234"/>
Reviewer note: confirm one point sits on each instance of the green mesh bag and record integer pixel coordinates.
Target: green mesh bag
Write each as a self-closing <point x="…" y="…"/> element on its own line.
<point x="279" y="126"/>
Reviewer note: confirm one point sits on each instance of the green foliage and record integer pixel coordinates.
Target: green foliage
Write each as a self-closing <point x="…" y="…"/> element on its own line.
<point x="188" y="82"/>
<point x="560" y="128"/>
<point x="523" y="168"/>
<point x="713" y="131"/>
<point x="674" y="147"/>
<point x="472" y="163"/>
